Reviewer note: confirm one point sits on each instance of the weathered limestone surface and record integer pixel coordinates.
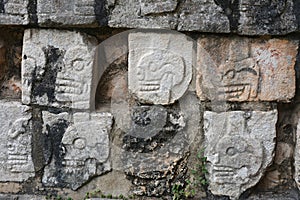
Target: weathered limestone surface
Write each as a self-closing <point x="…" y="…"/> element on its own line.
<point x="71" y="13"/>
<point x="143" y="14"/>
<point x="244" y="69"/>
<point x="204" y="16"/>
<point x="239" y="147"/>
<point x="15" y="157"/>
<point x="152" y="156"/>
<point x="297" y="157"/>
<point x="218" y="16"/>
<point x="57" y="68"/>
<point x="160" y="66"/>
<point x="14" y="12"/>
<point x="79" y="148"/>
<point x="259" y="17"/>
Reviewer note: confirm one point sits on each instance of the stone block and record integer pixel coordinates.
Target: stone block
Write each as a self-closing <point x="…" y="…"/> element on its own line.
<point x="71" y="13"/>
<point x="15" y="157"/>
<point x="245" y="17"/>
<point x="204" y="16"/>
<point x="245" y="69"/>
<point x="260" y="17"/>
<point x="143" y="14"/>
<point x="14" y="12"/>
<point x="57" y="68"/>
<point x="239" y="147"/>
<point x="160" y="66"/>
<point x="78" y="147"/>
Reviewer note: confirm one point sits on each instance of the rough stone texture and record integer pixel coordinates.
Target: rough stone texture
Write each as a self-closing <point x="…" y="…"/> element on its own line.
<point x="239" y="147"/>
<point x="259" y="17"/>
<point x="14" y="12"/>
<point x="3" y="61"/>
<point x="152" y="161"/>
<point x="10" y="63"/>
<point x="217" y="16"/>
<point x="15" y="157"/>
<point x="22" y="197"/>
<point x="204" y="16"/>
<point x="244" y="69"/>
<point x="160" y="66"/>
<point x="79" y="148"/>
<point x="143" y="14"/>
<point x="297" y="157"/>
<point x="286" y="195"/>
<point x="71" y="13"/>
<point x="57" y="68"/>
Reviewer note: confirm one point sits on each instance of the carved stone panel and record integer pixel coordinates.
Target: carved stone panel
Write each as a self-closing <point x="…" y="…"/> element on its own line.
<point x="15" y="157"/>
<point x="239" y="147"/>
<point x="79" y="148"/>
<point x="71" y="13"/>
<point x="160" y="66"/>
<point x="57" y="68"/>
<point x="244" y="69"/>
<point x="14" y="12"/>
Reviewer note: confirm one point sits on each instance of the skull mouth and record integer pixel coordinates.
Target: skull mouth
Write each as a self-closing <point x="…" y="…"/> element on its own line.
<point x="233" y="91"/>
<point x="73" y="163"/>
<point x="149" y="86"/>
<point x="229" y="175"/>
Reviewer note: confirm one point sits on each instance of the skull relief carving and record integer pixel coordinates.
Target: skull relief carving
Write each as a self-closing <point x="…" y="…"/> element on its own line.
<point x="83" y="151"/>
<point x="159" y="72"/>
<point x="239" y="147"/>
<point x="57" y="71"/>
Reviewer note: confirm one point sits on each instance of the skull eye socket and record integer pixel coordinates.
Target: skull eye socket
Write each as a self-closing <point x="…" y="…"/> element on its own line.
<point x="79" y="143"/>
<point x="231" y="151"/>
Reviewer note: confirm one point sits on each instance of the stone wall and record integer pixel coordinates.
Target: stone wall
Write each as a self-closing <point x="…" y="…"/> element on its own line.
<point x="143" y="99"/>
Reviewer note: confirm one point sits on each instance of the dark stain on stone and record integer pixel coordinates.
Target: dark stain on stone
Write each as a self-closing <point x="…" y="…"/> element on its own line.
<point x="231" y="10"/>
<point x="37" y="140"/>
<point x="101" y="12"/>
<point x="134" y="143"/>
<point x="53" y="147"/>
<point x="268" y="13"/>
<point x="297" y="11"/>
<point x="44" y="77"/>
<point x="2" y="9"/>
<point x="32" y="12"/>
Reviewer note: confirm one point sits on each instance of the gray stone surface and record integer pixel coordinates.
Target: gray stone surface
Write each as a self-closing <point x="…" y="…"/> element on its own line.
<point x="245" y="69"/>
<point x="57" y="68"/>
<point x="297" y="157"/>
<point x="14" y="12"/>
<point x="22" y="197"/>
<point x="78" y="146"/>
<point x="142" y="14"/>
<point x="259" y="17"/>
<point x="153" y="162"/>
<point x="239" y="147"/>
<point x="160" y="66"/>
<point x="71" y="13"/>
<point x="15" y="157"/>
<point x="218" y="16"/>
<point x="204" y="16"/>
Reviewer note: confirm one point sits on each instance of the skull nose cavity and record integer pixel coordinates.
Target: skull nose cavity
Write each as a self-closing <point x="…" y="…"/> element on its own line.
<point x="79" y="143"/>
<point x="214" y="159"/>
